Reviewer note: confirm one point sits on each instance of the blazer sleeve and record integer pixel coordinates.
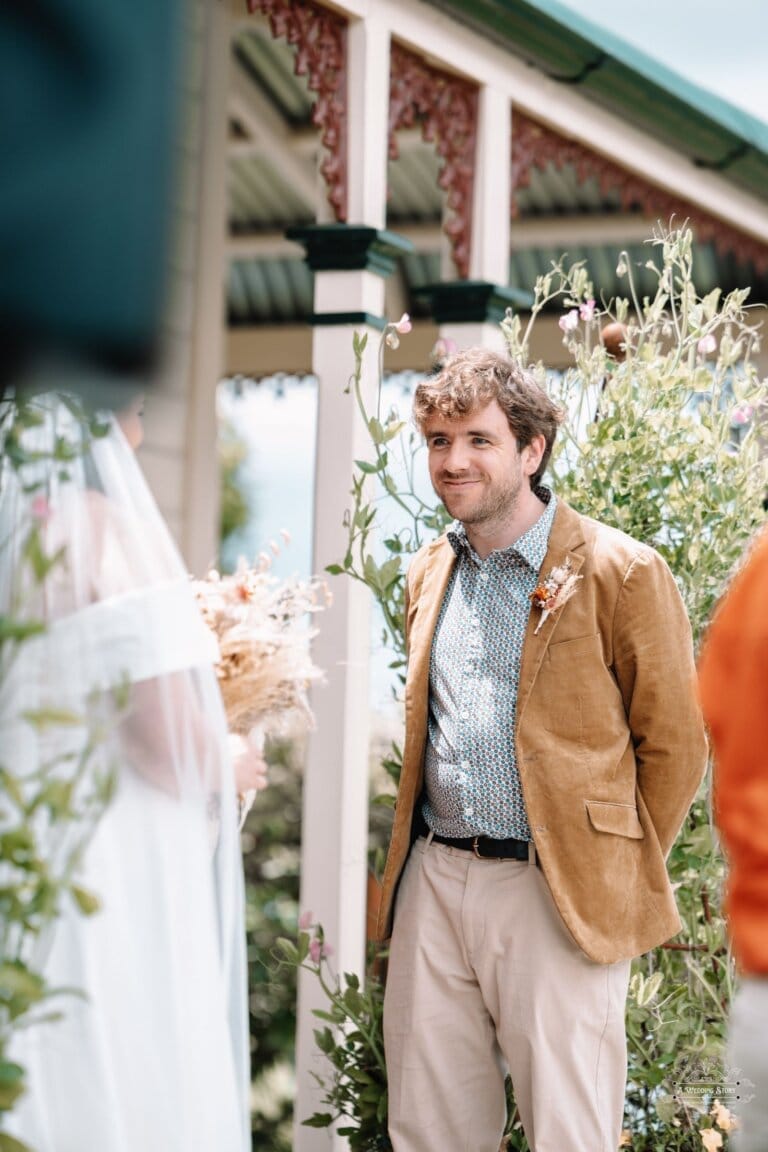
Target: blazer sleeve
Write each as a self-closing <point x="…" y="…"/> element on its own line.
<point x="654" y="666"/>
<point x="413" y="581"/>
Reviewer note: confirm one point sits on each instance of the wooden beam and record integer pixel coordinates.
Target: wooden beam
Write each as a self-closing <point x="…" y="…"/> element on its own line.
<point x="264" y="350"/>
<point x="267" y="127"/>
<point x="305" y="142"/>
<point x="560" y="232"/>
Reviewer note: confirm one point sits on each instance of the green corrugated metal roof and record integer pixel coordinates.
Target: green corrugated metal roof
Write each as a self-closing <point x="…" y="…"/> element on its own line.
<point x="574" y="51"/>
<point x="563" y="45"/>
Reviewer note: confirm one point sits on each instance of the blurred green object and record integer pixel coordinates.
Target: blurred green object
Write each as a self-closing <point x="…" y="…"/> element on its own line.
<point x="89" y="95"/>
<point x="236" y="508"/>
<point x="272" y="858"/>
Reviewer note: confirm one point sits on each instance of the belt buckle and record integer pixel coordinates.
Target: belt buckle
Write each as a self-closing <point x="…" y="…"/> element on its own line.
<point x="474" y="848"/>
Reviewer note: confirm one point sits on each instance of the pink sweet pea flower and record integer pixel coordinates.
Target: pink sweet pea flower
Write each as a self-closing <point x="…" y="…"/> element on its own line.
<point x="393" y="332"/>
<point x="318" y="950"/>
<point x="706" y="344"/>
<point x="587" y="310"/>
<point x="306" y="920"/>
<point x="442" y="350"/>
<point x="569" y="321"/>
<point x="742" y="414"/>
<point x="40" y="508"/>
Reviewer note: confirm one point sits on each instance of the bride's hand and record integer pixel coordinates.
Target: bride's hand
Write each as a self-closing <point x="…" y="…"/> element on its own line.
<point x="249" y="765"/>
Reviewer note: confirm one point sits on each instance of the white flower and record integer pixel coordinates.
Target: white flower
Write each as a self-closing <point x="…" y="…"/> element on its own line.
<point x="706" y="344"/>
<point x="710" y="1139"/>
<point x="554" y="591"/>
<point x="723" y="1117"/>
<point x="442" y="350"/>
<point x="403" y="326"/>
<point x="569" y="321"/>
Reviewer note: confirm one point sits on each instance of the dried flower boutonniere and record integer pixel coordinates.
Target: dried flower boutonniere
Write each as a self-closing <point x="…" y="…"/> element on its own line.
<point x="550" y="594"/>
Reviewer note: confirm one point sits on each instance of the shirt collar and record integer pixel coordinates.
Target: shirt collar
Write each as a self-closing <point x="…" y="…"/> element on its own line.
<point x="530" y="547"/>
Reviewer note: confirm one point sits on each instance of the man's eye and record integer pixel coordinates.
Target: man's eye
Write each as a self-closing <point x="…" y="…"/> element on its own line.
<point x="479" y="440"/>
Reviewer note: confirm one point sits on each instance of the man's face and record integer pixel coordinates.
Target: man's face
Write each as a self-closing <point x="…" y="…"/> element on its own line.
<point x="476" y="467"/>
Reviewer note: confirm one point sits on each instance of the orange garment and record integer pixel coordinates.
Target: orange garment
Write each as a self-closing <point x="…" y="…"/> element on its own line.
<point x="733" y="677"/>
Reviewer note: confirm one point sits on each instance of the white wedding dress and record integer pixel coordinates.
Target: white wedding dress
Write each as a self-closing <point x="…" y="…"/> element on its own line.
<point x="152" y="1052"/>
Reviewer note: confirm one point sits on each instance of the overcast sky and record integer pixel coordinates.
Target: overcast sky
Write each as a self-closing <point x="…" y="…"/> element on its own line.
<point x="721" y="45"/>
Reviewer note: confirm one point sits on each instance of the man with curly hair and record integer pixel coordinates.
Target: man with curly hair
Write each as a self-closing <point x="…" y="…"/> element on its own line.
<point x="553" y="746"/>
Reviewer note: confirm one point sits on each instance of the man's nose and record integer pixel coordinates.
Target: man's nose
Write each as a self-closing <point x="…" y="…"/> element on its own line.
<point x="456" y="458"/>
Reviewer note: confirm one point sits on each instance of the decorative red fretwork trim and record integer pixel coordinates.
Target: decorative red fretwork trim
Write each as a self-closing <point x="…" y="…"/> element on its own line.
<point x="536" y="146"/>
<point x="445" y="106"/>
<point x="320" y="39"/>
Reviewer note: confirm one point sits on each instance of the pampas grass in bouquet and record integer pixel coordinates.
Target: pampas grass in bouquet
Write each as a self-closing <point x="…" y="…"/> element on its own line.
<point x="264" y="630"/>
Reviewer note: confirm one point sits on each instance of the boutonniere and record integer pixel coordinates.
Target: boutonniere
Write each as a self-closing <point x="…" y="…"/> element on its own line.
<point x="551" y="593"/>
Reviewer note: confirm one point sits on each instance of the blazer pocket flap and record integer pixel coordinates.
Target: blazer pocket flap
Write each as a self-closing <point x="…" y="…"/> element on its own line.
<point x="620" y="819"/>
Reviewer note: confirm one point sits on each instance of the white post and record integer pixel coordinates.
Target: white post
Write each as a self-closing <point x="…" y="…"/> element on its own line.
<point x="335" y="800"/>
<point x="489" y="253"/>
<point x="200" y="522"/>
<point x="474" y="334"/>
<point x="335" y="805"/>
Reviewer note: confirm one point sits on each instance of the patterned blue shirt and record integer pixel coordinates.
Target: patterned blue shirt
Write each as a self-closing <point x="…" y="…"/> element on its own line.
<point x="472" y="783"/>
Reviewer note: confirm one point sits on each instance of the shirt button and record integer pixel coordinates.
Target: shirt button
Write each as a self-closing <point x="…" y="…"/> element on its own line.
<point x="483" y="575"/>
<point x="464" y="715"/>
<point x="468" y="811"/>
<point x="465" y="765"/>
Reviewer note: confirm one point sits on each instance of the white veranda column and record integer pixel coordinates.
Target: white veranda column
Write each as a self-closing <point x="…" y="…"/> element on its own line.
<point x="469" y="312"/>
<point x="335" y="803"/>
<point x="200" y="536"/>
<point x="348" y="261"/>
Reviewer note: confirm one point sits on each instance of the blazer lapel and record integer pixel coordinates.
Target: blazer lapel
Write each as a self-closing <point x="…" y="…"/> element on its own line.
<point x="566" y="542"/>
<point x="437" y="573"/>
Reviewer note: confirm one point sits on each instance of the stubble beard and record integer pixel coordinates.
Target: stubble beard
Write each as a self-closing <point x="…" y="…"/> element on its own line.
<point x="493" y="506"/>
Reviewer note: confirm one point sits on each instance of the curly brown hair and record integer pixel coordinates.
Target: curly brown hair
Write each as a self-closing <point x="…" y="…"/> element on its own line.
<point x="476" y="377"/>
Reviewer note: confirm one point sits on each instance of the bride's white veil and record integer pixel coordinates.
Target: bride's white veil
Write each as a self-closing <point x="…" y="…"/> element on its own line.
<point x="151" y="1054"/>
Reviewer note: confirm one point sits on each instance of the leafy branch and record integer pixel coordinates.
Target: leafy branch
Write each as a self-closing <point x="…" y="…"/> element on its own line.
<point x="48" y="814"/>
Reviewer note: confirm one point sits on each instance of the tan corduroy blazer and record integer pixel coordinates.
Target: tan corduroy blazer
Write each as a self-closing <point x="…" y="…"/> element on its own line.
<point x="610" y="740"/>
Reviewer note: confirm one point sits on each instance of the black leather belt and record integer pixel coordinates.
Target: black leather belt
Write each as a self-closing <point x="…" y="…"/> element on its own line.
<point x="485" y="847"/>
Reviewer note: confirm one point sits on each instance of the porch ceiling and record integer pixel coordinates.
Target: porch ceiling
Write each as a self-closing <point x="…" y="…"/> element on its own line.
<point x="274" y="153"/>
<point x="576" y="51"/>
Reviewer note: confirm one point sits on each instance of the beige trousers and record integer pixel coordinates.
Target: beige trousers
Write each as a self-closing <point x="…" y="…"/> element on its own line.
<point x="483" y="977"/>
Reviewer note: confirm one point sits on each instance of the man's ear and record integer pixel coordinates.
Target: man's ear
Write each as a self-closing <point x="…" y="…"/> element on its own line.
<point x="532" y="454"/>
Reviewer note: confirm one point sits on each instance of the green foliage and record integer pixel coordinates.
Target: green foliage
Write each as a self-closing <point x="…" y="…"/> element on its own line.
<point x="355" y="1082"/>
<point x="47" y="816"/>
<point x="655" y="450"/>
<point x="272" y="856"/>
<point x="235" y="509"/>
<point x="663" y="444"/>
<point x="419" y="521"/>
